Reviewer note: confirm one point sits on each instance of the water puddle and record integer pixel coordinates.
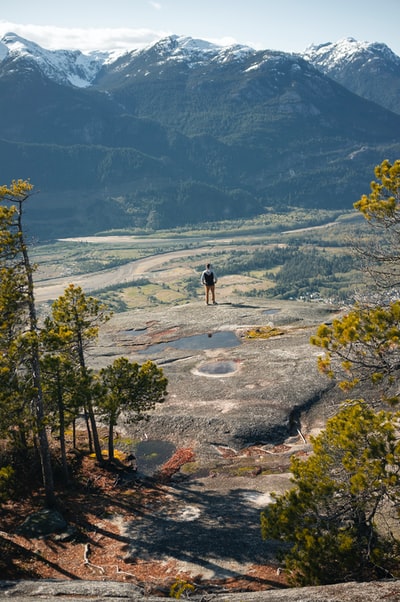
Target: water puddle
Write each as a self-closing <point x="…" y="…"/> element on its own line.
<point x="152" y="454"/>
<point x="220" y="368"/>
<point x="134" y="331"/>
<point x="271" y="312"/>
<point x="211" y="340"/>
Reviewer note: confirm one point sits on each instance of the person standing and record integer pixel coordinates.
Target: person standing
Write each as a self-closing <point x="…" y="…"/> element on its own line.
<point x="209" y="280"/>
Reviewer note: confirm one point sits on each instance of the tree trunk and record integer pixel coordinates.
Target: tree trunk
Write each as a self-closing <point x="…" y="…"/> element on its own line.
<point x="45" y="458"/>
<point x="111" y="441"/>
<point x="96" y="440"/>
<point x="88" y="405"/>
<point x="61" y="416"/>
<point x="89" y="432"/>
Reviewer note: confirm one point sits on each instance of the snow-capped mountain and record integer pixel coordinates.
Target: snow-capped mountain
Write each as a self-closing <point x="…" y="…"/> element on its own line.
<point x="185" y="131"/>
<point x="80" y="70"/>
<point x="196" y="52"/>
<point x="370" y="70"/>
<point x="174" y="53"/>
<point x="62" y="66"/>
<point x="334" y="57"/>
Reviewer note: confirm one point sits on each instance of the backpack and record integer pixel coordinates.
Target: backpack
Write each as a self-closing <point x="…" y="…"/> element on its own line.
<point x="209" y="278"/>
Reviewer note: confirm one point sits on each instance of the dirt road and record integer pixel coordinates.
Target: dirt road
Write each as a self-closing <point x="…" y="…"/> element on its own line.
<point x="47" y="290"/>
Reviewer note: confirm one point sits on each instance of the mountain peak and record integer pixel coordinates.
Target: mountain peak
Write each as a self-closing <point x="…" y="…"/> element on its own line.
<point x="185" y="42"/>
<point x="10" y="37"/>
<point x="16" y="45"/>
<point x="330" y="57"/>
<point x="63" y="66"/>
<point x="196" y="51"/>
<point x="365" y="68"/>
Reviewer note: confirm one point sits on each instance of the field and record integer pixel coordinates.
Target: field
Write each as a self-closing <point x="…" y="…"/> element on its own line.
<point x="284" y="256"/>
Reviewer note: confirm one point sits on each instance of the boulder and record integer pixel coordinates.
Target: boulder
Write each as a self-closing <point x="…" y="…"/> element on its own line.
<point x="42" y="523"/>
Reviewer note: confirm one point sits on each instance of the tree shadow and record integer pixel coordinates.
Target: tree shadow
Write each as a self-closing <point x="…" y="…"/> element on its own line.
<point x="213" y="532"/>
<point x="216" y="532"/>
<point x="14" y="562"/>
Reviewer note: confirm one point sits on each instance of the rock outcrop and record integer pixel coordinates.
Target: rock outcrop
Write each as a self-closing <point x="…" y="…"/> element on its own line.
<point x="95" y="591"/>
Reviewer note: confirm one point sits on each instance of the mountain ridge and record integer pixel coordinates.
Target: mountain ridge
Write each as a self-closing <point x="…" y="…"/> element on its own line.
<point x="328" y="57"/>
<point x="371" y="70"/>
<point x="71" y="67"/>
<point x="182" y="131"/>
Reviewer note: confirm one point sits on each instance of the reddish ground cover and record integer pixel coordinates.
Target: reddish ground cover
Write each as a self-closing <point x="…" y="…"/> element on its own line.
<point x="96" y="505"/>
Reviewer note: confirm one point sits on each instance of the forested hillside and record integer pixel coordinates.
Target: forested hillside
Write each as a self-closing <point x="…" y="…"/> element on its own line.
<point x="180" y="134"/>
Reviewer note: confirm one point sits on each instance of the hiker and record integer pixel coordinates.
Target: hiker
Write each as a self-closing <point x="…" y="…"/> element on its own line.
<point x="209" y="280"/>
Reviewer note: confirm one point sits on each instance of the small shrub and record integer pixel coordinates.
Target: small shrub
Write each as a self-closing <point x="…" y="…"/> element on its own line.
<point x="181" y="588"/>
<point x="6" y="478"/>
<point x="264" y="332"/>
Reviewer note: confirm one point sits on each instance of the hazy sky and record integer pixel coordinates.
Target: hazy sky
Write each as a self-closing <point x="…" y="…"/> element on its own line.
<point x="288" y="25"/>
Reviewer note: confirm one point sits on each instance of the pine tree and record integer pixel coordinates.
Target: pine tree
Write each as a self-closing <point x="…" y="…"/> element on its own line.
<point x="20" y="364"/>
<point x="129" y="390"/>
<point x="75" y="319"/>
<point x="340" y="494"/>
<point x="336" y="518"/>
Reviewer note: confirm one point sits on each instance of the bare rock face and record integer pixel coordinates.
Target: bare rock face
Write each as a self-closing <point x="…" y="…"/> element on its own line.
<point x="96" y="591"/>
<point x="230" y="382"/>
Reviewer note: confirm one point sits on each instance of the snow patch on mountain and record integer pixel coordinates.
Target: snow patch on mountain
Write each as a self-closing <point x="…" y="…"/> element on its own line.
<point x="63" y="66"/>
<point x="182" y="47"/>
<point x="234" y="53"/>
<point x="336" y="56"/>
<point x="192" y="52"/>
<point x="180" y="50"/>
<point x="74" y="68"/>
<point x="3" y="51"/>
<point x="80" y="70"/>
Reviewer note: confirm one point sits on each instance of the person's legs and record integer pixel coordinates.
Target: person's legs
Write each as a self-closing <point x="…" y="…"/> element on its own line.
<point x="213" y="292"/>
<point x="207" y="291"/>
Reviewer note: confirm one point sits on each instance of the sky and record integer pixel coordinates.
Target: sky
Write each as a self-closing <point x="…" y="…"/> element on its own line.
<point x="286" y="25"/>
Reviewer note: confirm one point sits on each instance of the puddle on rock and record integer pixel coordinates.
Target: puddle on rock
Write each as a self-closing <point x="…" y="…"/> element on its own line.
<point x="152" y="454"/>
<point x="220" y="368"/>
<point x="211" y="340"/>
<point x="271" y="312"/>
<point x="134" y="331"/>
